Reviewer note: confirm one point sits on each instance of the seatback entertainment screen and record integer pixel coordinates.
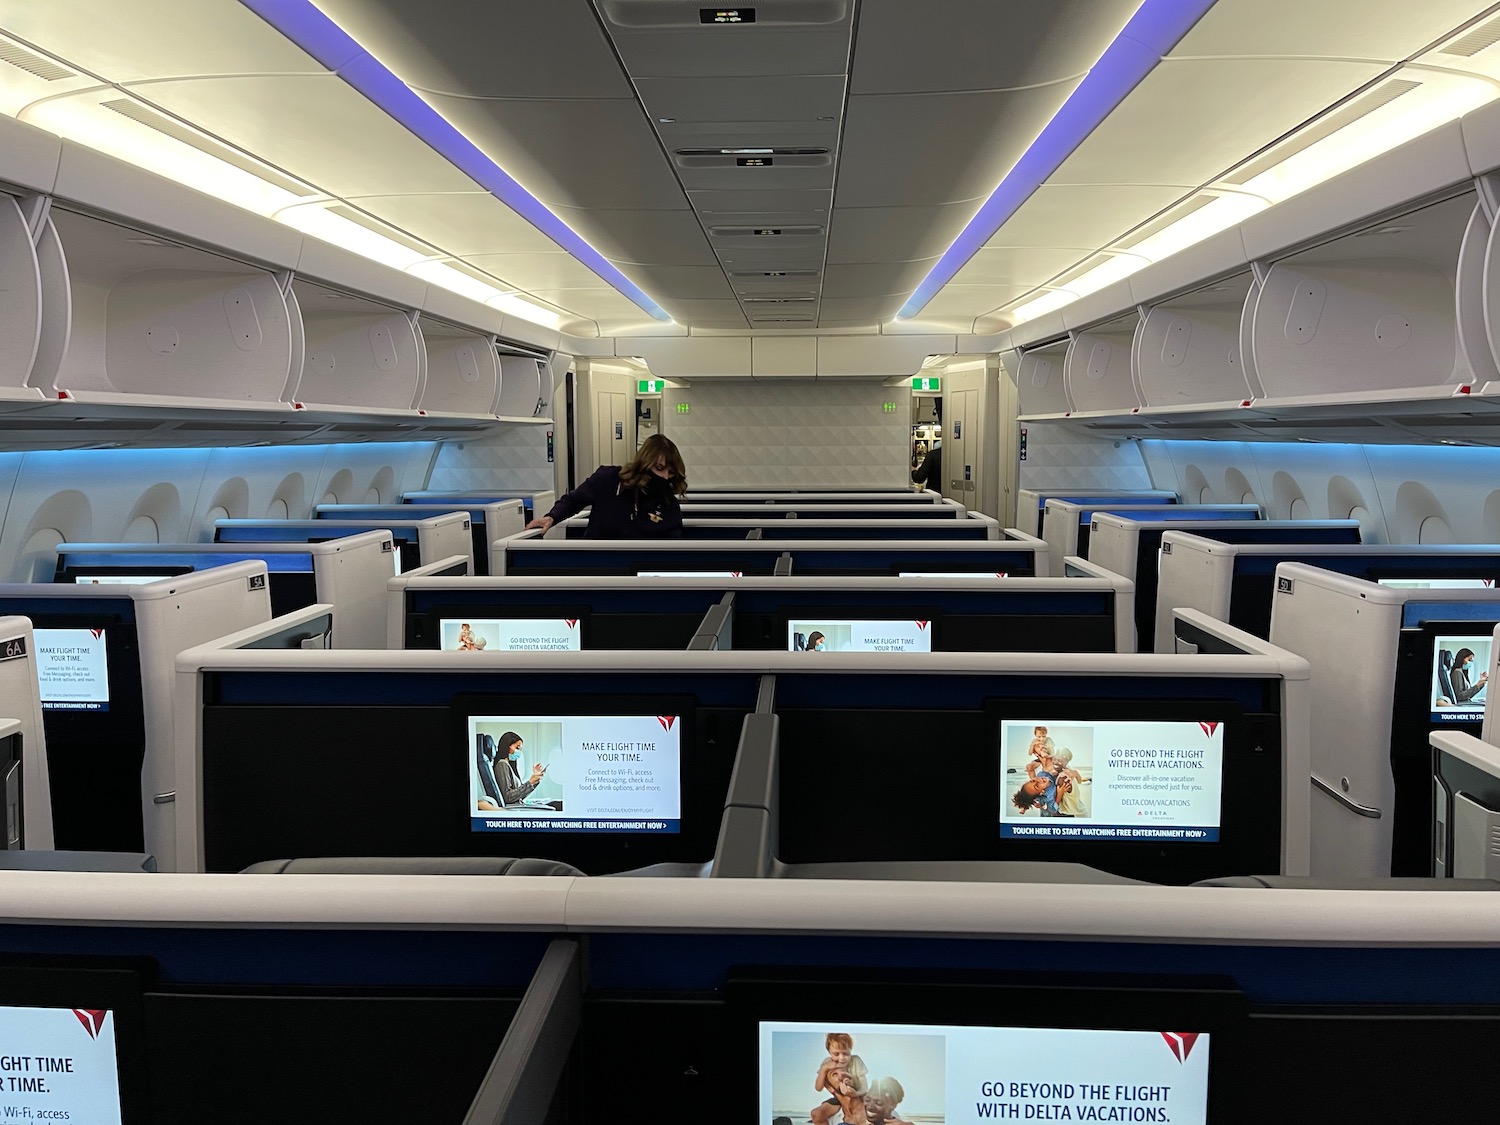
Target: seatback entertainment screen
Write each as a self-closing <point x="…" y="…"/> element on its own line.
<point x="881" y="1074"/>
<point x="59" y="1064"/>
<point x="511" y="634"/>
<point x="72" y="669"/>
<point x="1460" y="677"/>
<point x="1108" y="779"/>
<point x="574" y="773"/>
<point x="821" y="634"/>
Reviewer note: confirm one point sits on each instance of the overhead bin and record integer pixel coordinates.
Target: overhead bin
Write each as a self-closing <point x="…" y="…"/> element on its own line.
<point x="1188" y="349"/>
<point x="1368" y="317"/>
<point x="1041" y="384"/>
<point x="1097" y="367"/>
<point x="463" y="370"/>
<point x="156" y="323"/>
<point x="20" y="302"/>
<point x="360" y="354"/>
<point x="520" y="396"/>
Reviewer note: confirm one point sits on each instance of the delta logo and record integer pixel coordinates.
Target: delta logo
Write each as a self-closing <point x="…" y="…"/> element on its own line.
<point x="666" y="721"/>
<point x="1208" y="728"/>
<point x="572" y="622"/>
<point x="921" y="625"/>
<point x="92" y="1020"/>
<point x="1180" y="1043"/>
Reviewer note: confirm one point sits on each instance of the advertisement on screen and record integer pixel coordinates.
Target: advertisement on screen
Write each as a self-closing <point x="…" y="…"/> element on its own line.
<point x="688" y="573"/>
<point x="1107" y="779"/>
<point x="575" y="773"/>
<point x="58" y="1064"/>
<point x="516" y="634"/>
<point x="821" y="635"/>
<point x="1438" y="583"/>
<point x="71" y="669"/>
<point x="898" y="1074"/>
<point x="1460" y="675"/>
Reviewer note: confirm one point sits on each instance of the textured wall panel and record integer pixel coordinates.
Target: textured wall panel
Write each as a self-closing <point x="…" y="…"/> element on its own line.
<point x="790" y="432"/>
<point x="514" y="457"/>
<point x="1057" y="457"/>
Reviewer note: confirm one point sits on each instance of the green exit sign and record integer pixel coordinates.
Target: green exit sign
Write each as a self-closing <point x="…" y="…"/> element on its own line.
<point x="888" y="407"/>
<point x="650" y="386"/>
<point x="682" y="408"/>
<point x="926" y="383"/>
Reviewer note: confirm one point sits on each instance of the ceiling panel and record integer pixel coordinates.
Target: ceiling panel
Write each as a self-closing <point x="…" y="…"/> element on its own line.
<point x="591" y="303"/>
<point x="534" y="272"/>
<point x="1076" y="215"/>
<point x="800" y="256"/>
<point x="733" y="51"/>
<point x="1018" y="265"/>
<point x="669" y="238"/>
<point x="461" y="224"/>
<point x="799" y="97"/>
<point x="667" y="282"/>
<point x="943" y="45"/>
<point x="547" y="50"/>
<point x="899" y="234"/>
<point x="1372" y="29"/>
<point x="872" y="309"/>
<point x="695" y="310"/>
<point x="875" y="279"/>
<point x="730" y="202"/>
<point x="1189" y="120"/>
<point x="571" y="153"/>
<point x="113" y="40"/>
<point x="903" y="149"/>
<point x="815" y="173"/>
<point x="316" y="127"/>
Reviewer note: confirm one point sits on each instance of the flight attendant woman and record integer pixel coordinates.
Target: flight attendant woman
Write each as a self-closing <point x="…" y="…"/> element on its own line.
<point x="638" y="500"/>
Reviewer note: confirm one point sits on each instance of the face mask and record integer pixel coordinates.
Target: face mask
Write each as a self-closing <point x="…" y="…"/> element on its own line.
<point x="818" y="647"/>
<point x="515" y="755"/>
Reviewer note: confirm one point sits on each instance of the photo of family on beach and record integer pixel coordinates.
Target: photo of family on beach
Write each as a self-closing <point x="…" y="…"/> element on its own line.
<point x="854" y="1076"/>
<point x="1048" y="770"/>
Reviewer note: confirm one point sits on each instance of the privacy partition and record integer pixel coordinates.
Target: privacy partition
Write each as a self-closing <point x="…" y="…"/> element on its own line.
<point x="25" y="778"/>
<point x="104" y="662"/>
<point x="1378" y="684"/>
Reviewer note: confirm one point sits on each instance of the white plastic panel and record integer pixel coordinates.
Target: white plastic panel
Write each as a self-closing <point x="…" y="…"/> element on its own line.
<point x="1041" y="382"/>
<point x="102" y="183"/>
<point x="463" y="371"/>
<point x="1368" y="313"/>
<point x="359" y="354"/>
<point x="699" y="355"/>
<point x="878" y="355"/>
<point x="1422" y="167"/>
<point x="18" y="687"/>
<point x="1473" y="321"/>
<point x="20" y="301"/>
<point x="1188" y="349"/>
<point x="520" y="387"/>
<point x="1097" y="367"/>
<point x="349" y="272"/>
<point x="28" y="156"/>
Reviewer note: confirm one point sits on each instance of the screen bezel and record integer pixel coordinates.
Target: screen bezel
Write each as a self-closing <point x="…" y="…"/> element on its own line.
<point x="972" y="998"/>
<point x="89" y="982"/>
<point x="785" y="615"/>
<point x="77" y="575"/>
<point x="585" y="849"/>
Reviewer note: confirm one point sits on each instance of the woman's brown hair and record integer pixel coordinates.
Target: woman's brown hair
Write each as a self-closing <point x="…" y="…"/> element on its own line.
<point x="636" y="473"/>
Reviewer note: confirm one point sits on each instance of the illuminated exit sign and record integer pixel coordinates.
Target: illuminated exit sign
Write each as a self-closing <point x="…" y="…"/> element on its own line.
<point x="926" y="383"/>
<point x="650" y="386"/>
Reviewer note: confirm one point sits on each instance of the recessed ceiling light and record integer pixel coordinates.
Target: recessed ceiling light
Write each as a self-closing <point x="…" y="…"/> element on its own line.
<point x="667" y="120"/>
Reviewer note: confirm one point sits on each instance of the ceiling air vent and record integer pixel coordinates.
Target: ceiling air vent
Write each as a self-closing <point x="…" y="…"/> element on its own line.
<point x="32" y="63"/>
<point x="765" y="275"/>
<point x="1325" y="126"/>
<point x="1476" y="39"/>
<point x="178" y="131"/>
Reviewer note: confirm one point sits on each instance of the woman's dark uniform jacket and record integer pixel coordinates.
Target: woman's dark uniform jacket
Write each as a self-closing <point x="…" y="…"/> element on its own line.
<point x="652" y="512"/>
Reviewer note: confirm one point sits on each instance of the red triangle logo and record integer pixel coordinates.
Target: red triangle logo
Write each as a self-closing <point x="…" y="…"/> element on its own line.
<point x="1209" y="728"/>
<point x="97" y="633"/>
<point x="572" y="622"/>
<point x="92" y="1020"/>
<point x="921" y="625"/>
<point x="1180" y="1043"/>
<point x="666" y="721"/>
<point x="734" y="573"/>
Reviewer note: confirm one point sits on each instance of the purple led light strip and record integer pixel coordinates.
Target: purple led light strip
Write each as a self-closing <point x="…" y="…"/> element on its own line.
<point x="1155" y="29"/>
<point x="331" y="46"/>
